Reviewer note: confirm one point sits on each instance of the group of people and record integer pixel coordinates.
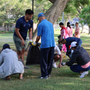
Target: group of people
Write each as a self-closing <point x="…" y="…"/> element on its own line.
<point x="12" y="63"/>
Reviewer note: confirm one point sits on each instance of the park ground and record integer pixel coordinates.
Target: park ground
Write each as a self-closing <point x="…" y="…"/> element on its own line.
<point x="61" y="79"/>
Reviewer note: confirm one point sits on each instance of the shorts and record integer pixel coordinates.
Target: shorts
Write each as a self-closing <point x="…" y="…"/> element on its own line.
<point x="18" y="45"/>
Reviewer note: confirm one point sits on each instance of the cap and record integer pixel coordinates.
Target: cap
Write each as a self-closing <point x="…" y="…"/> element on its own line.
<point x="73" y="44"/>
<point x="41" y="15"/>
<point x="6" y="46"/>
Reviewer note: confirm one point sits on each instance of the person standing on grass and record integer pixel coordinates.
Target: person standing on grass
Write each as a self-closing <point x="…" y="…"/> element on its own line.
<point x="9" y="63"/>
<point x="77" y="31"/>
<point x="81" y="58"/>
<point x="23" y="24"/>
<point x="64" y="34"/>
<point x="46" y="32"/>
<point x="69" y="29"/>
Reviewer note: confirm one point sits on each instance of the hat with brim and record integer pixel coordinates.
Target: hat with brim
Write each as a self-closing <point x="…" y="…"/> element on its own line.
<point x="73" y="44"/>
<point x="41" y="15"/>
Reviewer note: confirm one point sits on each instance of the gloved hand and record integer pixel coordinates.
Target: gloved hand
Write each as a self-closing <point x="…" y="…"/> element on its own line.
<point x="63" y="63"/>
<point x="34" y="43"/>
<point x="30" y="40"/>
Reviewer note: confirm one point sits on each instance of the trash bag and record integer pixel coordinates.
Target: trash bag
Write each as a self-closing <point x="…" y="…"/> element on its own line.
<point x="33" y="56"/>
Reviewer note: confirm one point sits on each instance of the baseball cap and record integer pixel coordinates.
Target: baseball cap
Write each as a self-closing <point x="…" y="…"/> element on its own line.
<point x="41" y="15"/>
<point x="6" y="46"/>
<point x="73" y="44"/>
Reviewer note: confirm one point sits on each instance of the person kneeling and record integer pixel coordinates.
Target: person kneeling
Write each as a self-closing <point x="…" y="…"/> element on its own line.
<point x="57" y="56"/>
<point x="81" y="57"/>
<point x="9" y="63"/>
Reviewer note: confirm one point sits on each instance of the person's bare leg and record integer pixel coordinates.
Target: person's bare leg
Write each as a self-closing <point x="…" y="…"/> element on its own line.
<point x="8" y="77"/>
<point x="21" y="76"/>
<point x="22" y="54"/>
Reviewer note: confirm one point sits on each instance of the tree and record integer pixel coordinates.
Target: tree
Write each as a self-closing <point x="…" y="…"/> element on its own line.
<point x="54" y="12"/>
<point x="85" y="15"/>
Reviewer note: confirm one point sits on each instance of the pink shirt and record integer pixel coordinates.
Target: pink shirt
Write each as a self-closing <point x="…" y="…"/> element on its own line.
<point x="70" y="31"/>
<point x="86" y="65"/>
<point x="77" y="32"/>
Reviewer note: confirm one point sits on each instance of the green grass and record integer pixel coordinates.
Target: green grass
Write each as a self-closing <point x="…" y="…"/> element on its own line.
<point x="61" y="79"/>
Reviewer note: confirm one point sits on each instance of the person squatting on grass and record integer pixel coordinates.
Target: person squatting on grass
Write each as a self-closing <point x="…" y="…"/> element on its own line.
<point x="9" y="63"/>
<point x="81" y="58"/>
<point x="57" y="56"/>
<point x="23" y="24"/>
<point x="46" y="32"/>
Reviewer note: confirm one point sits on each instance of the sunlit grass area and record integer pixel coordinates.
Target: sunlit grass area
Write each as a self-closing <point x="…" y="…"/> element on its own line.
<point x="61" y="79"/>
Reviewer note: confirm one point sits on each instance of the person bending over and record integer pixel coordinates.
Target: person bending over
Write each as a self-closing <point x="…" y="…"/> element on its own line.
<point x="81" y="58"/>
<point x="57" y="56"/>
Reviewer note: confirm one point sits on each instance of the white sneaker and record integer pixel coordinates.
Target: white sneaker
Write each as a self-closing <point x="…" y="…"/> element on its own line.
<point x="83" y="74"/>
<point x="54" y="65"/>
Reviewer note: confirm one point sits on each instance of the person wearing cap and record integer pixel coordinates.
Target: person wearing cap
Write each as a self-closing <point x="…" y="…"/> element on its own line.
<point x="23" y="24"/>
<point x="77" y="31"/>
<point x="46" y="33"/>
<point x="81" y="58"/>
<point x="68" y="42"/>
<point x="9" y="63"/>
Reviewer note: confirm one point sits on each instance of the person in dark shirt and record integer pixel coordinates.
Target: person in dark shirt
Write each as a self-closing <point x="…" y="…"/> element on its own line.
<point x="81" y="58"/>
<point x="68" y="42"/>
<point x="23" y="24"/>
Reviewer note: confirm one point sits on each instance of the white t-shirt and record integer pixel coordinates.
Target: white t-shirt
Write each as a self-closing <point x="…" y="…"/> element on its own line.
<point x="56" y="50"/>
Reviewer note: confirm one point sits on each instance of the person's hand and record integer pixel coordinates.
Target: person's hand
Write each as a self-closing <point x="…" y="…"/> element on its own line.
<point x="22" y="42"/>
<point x="63" y="63"/>
<point x="30" y="40"/>
<point x="34" y="43"/>
<point x="59" y="65"/>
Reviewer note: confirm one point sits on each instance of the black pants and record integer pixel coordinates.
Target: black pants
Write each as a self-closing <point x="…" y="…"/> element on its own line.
<point x="47" y="55"/>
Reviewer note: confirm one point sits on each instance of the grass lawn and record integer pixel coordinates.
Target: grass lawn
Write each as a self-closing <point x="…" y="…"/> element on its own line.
<point x="61" y="79"/>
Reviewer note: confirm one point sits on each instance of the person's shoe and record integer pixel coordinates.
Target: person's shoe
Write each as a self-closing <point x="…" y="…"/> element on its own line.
<point x="43" y="77"/>
<point x="49" y="76"/>
<point x="25" y="67"/>
<point x="83" y="74"/>
<point x="54" y="65"/>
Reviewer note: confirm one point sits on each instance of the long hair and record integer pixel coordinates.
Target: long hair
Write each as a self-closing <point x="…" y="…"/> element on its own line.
<point x="68" y="24"/>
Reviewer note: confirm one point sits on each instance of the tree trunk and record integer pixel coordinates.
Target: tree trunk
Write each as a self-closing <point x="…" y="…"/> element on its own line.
<point x="89" y="29"/>
<point x="54" y="12"/>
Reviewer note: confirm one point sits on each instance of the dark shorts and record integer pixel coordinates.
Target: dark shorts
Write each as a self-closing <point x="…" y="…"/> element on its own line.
<point x="18" y="45"/>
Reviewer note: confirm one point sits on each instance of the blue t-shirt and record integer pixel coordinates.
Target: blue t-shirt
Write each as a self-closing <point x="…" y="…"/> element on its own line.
<point x="23" y="26"/>
<point x="69" y="40"/>
<point x="46" y="31"/>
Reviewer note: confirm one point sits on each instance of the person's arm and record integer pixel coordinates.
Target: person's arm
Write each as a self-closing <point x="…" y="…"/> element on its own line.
<point x="73" y="59"/>
<point x="37" y="39"/>
<point x="1" y="59"/>
<point x="18" y="25"/>
<point x="60" y="61"/>
<point x="19" y="35"/>
<point x="30" y="33"/>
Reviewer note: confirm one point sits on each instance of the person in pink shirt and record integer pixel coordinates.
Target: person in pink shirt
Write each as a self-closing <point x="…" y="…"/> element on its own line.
<point x="69" y="29"/>
<point x="64" y="34"/>
<point x="77" y="31"/>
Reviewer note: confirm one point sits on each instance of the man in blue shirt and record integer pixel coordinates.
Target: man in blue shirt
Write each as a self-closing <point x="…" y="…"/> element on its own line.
<point x="23" y="24"/>
<point x="46" y="32"/>
<point x="68" y="42"/>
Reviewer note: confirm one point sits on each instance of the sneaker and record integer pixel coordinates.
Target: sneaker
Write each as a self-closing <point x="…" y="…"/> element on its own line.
<point x="54" y="65"/>
<point x="83" y="74"/>
<point x="25" y="67"/>
<point x="43" y="77"/>
<point x="49" y="76"/>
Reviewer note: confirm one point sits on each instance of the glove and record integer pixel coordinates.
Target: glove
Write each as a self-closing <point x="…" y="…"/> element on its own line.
<point x="30" y="40"/>
<point x="63" y="64"/>
<point x="34" y="43"/>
